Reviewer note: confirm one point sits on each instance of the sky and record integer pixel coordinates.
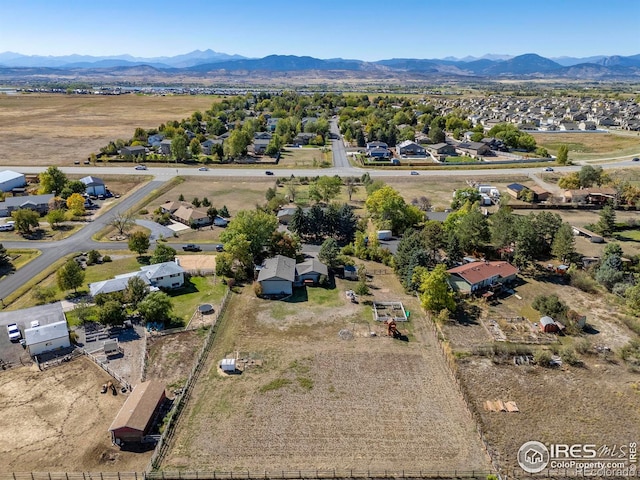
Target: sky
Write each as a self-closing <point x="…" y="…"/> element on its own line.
<point x="355" y="29"/>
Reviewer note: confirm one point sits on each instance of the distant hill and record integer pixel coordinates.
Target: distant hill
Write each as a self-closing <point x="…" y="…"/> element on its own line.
<point x="199" y="62"/>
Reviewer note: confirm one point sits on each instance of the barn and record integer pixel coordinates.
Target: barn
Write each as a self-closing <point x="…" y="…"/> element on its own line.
<point x="136" y="417"/>
<point x="47" y="338"/>
<point x="10" y="180"/>
<point x="94" y="185"/>
<point x="547" y="325"/>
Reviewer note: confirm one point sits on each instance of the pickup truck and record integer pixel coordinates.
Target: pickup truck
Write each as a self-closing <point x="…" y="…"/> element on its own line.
<point x="190" y="247"/>
<point x="14" y="332"/>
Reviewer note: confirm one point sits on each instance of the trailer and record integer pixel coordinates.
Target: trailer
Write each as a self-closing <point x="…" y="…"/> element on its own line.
<point x="385" y="235"/>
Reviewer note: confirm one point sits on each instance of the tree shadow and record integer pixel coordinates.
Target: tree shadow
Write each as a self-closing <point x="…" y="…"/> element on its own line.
<point x="144" y="259"/>
<point x="188" y="287"/>
<point x="299" y="295"/>
<point x="37" y="234"/>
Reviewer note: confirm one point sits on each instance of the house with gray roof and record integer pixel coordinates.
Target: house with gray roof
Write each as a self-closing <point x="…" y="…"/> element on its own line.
<point x="278" y="275"/>
<point x="10" y="180"/>
<point x="167" y="275"/>
<point x="38" y="203"/>
<point x="94" y="185"/>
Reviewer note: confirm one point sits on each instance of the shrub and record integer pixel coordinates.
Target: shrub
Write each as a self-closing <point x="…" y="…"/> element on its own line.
<point x="257" y="289"/>
<point x="106" y="259"/>
<point x="93" y="257"/>
<point x="542" y="358"/>
<point x="44" y="294"/>
<point x="568" y="355"/>
<point x="582" y="281"/>
<point x="144" y="211"/>
<point x="583" y="346"/>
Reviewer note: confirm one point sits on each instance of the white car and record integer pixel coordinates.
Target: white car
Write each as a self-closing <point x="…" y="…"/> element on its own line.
<point x="203" y="169"/>
<point x="14" y="332"/>
<point x="141" y="167"/>
<point x="35" y="323"/>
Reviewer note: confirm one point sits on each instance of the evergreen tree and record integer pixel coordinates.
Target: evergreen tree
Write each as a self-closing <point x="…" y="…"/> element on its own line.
<point x="564" y="243"/>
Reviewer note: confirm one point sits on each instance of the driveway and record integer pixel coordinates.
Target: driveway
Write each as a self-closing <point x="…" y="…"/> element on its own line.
<point x="157" y="230"/>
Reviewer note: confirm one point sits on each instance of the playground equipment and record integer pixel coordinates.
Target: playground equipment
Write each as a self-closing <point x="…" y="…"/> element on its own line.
<point x="392" y="329"/>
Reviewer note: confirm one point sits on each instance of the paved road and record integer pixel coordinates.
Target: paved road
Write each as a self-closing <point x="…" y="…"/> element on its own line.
<point x="340" y="159"/>
<point x="81" y="241"/>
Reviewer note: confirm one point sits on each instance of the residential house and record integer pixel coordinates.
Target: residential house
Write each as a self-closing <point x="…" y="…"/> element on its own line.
<point x="540" y="194"/>
<point x="154" y="140"/>
<point x="192" y="216"/>
<point x="167" y="275"/>
<point x="208" y="144"/>
<point x="94" y="185"/>
<point x="262" y="136"/>
<point x="380" y="153"/>
<point x="278" y="275"/>
<point x="272" y="123"/>
<point x="410" y="149"/>
<point x="473" y="149"/>
<point x="135" y="151"/>
<point x="165" y="146"/>
<point x="475" y="276"/>
<point x="135" y="419"/>
<point x="38" y="203"/>
<point x="260" y="145"/>
<point x="587" y="125"/>
<point x="593" y="196"/>
<point x="309" y="271"/>
<point x="442" y="149"/>
<point x="303" y="138"/>
<point x="285" y="215"/>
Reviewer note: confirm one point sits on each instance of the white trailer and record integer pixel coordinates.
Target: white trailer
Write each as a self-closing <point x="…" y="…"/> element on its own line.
<point x="385" y="235"/>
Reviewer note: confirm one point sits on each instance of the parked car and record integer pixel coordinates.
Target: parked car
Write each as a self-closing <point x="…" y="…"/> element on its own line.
<point x="219" y="247"/>
<point x="635" y="159"/>
<point x="548" y="169"/>
<point x="268" y="172"/>
<point x="413" y="172"/>
<point x="141" y="167"/>
<point x="191" y="247"/>
<point x="203" y="169"/>
<point x="35" y="323"/>
<point x="14" y="332"/>
<point x="7" y="227"/>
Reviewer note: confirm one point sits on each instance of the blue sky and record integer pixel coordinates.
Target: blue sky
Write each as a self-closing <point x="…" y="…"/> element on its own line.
<point x="366" y="30"/>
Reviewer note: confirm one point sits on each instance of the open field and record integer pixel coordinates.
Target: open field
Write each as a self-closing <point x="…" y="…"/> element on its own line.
<point x="593" y="403"/>
<point x="590" y="146"/>
<point x="40" y="129"/>
<point x="323" y="402"/>
<point x="304" y="157"/>
<point x="57" y="420"/>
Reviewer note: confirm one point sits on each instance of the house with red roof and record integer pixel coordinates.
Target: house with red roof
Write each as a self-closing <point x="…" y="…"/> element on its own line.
<point x="475" y="276"/>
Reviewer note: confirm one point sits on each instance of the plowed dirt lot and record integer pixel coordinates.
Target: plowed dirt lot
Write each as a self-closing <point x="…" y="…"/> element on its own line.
<point x="57" y="420"/>
<point x="322" y="402"/>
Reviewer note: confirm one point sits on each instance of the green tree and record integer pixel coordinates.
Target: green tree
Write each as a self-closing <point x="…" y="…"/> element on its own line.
<point x="436" y="294"/>
<point x="136" y="290"/>
<point x="52" y="180"/>
<point x="163" y="253"/>
<point x="325" y="189"/>
<point x="139" y="242"/>
<point x="607" y="222"/>
<point x="464" y="195"/>
<point x="236" y="145"/>
<point x="111" y="313"/>
<point x="454" y="250"/>
<point x="5" y="260"/>
<point x="329" y="253"/>
<point x="389" y="210"/>
<point x="25" y="219"/>
<point x="194" y="147"/>
<point x="590" y="176"/>
<point x="632" y="296"/>
<point x="352" y="187"/>
<point x="436" y="134"/>
<point x="212" y="213"/>
<point x="282" y="243"/>
<point x="570" y="181"/>
<point x="257" y="227"/>
<point x="473" y="231"/>
<point x="564" y="244"/>
<point x="179" y="147"/>
<point x="562" y="157"/>
<point x="156" y="308"/>
<point x="502" y="227"/>
<point x="550" y="305"/>
<point x="69" y="276"/>
<point x="55" y="217"/>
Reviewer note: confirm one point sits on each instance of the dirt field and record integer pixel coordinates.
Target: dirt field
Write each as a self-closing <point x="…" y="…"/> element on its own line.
<point x="57" y="420"/>
<point x="40" y="129"/>
<point x="198" y="262"/>
<point x="320" y="401"/>
<point x="171" y="357"/>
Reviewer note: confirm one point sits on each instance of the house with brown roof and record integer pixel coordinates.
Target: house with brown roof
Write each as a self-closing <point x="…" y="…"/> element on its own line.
<point x="539" y="193"/>
<point x="475" y="276"/>
<point x="593" y="196"/>
<point x="190" y="215"/>
<point x="136" y="417"/>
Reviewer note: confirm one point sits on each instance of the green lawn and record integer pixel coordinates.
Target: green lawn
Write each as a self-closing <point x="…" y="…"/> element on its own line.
<point x="197" y="291"/>
<point x="628" y="236"/>
<point x="105" y="271"/>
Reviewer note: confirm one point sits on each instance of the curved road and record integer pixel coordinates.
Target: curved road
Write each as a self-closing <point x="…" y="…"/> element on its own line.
<point x="81" y="241"/>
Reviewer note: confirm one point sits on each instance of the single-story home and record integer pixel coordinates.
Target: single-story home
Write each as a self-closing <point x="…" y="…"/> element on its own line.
<point x="379" y="153"/>
<point x="39" y="203"/>
<point x="167" y="275"/>
<point x="190" y="215"/>
<point x="540" y="194"/>
<point x="94" y="185"/>
<point x="474" y="276"/>
<point x="594" y="196"/>
<point x="442" y="149"/>
<point x="208" y="144"/>
<point x="46" y="338"/>
<point x="278" y="275"/>
<point x="303" y="138"/>
<point x="260" y="145"/>
<point x="410" y="149"/>
<point x="10" y="180"/>
<point x="136" y="417"/>
<point x="473" y="148"/>
<point x="135" y="151"/>
<point x="285" y="215"/>
<point x="309" y="271"/>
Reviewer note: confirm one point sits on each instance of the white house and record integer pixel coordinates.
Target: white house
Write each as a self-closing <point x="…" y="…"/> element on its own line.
<point x="277" y="275"/>
<point x="47" y="338"/>
<point x="167" y="275"/>
<point x="10" y="180"/>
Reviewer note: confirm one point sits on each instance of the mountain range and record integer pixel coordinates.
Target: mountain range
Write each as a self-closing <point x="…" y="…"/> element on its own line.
<point x="200" y="63"/>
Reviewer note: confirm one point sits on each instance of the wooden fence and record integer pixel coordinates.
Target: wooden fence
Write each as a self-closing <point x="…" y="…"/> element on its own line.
<point x="106" y="368"/>
<point x="180" y="402"/>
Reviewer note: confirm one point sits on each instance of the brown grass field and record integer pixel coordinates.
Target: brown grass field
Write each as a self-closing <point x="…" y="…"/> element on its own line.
<point x="53" y="129"/>
<point x="57" y="420"/>
<point x="322" y="402"/>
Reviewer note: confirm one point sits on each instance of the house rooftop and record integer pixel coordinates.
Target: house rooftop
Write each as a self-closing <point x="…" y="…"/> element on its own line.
<point x="7" y="175"/>
<point x="477" y="272"/>
<point x="46" y="333"/>
<point x="278" y="267"/>
<point x="139" y="406"/>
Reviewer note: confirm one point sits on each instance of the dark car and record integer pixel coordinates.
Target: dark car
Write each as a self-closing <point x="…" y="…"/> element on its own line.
<point x="191" y="247"/>
<point x="219" y="247"/>
<point x="635" y="159"/>
<point x="268" y="172"/>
